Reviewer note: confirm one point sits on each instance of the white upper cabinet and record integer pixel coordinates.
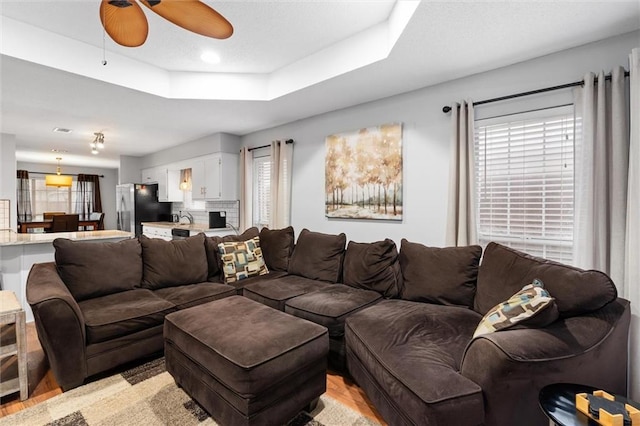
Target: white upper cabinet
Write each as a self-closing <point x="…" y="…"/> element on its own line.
<point x="149" y="175"/>
<point x="169" y="185"/>
<point x="215" y="177"/>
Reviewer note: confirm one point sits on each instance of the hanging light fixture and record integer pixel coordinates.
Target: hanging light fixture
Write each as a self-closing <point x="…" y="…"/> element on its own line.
<point x="185" y="179"/>
<point x="58" y="179"/>
<point x="98" y="143"/>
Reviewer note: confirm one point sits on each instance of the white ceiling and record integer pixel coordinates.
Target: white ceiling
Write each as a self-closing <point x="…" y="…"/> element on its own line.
<point x="287" y="60"/>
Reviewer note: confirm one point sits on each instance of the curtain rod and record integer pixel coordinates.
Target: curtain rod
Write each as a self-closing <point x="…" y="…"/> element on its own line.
<point x="53" y="173"/>
<point x="607" y="77"/>
<point x="267" y="146"/>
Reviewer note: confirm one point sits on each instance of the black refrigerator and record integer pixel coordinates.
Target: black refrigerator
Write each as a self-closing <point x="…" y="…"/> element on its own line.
<point x="137" y="203"/>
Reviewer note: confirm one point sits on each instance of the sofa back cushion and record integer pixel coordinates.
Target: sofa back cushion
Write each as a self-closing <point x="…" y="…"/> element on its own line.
<point x="318" y="256"/>
<point x="173" y="263"/>
<point x="277" y="247"/>
<point x="439" y="275"/>
<point x="373" y="266"/>
<point x="214" y="263"/>
<point x="92" y="269"/>
<point x="504" y="271"/>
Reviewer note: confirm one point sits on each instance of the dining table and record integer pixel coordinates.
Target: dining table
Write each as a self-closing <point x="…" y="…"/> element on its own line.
<point x="23" y="227"/>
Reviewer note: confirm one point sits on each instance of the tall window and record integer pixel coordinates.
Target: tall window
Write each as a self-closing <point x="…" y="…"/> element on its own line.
<point x="52" y="199"/>
<point x="261" y="191"/>
<point x="524" y="177"/>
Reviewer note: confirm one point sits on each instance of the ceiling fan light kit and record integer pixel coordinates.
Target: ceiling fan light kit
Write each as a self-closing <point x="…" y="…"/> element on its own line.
<point x="126" y="23"/>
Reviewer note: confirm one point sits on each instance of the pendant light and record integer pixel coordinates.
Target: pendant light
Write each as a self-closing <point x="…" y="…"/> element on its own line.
<point x="59" y="180"/>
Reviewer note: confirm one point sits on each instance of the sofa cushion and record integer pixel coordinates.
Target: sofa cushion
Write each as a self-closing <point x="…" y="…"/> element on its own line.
<point x="503" y="270"/>
<point x="331" y="306"/>
<point x="318" y="256"/>
<point x="275" y="292"/>
<point x="185" y="296"/>
<point x="409" y="355"/>
<point x="239" y="285"/>
<point x="87" y="268"/>
<point x="439" y="275"/>
<point x="213" y="256"/>
<point x="120" y="314"/>
<point x="532" y="306"/>
<point x="172" y="263"/>
<point x="373" y="266"/>
<point x="241" y="260"/>
<point x="277" y="247"/>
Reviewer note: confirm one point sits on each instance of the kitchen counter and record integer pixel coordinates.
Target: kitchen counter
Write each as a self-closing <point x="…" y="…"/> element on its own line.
<point x="11" y="238"/>
<point x="193" y="228"/>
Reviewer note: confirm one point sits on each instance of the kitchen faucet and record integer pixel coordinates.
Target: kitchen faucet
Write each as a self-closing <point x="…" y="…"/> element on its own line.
<point x="188" y="215"/>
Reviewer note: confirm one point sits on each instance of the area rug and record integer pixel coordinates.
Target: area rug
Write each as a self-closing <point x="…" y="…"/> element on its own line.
<point x="147" y="395"/>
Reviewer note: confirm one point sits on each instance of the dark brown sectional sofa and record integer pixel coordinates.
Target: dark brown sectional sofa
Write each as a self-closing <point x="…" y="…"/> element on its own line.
<point x="401" y="323"/>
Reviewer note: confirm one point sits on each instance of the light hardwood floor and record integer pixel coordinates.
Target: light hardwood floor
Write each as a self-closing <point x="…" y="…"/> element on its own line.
<point x="42" y="385"/>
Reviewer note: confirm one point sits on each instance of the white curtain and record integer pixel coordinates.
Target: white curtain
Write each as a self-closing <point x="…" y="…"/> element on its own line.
<point x="461" y="216"/>
<point x="601" y="168"/>
<point x="281" y="167"/>
<point x="632" y="255"/>
<point x="246" y="189"/>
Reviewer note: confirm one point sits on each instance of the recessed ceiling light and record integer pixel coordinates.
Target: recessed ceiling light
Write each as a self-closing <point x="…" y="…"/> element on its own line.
<point x="210" y="57"/>
<point x="58" y="150"/>
<point x="62" y="130"/>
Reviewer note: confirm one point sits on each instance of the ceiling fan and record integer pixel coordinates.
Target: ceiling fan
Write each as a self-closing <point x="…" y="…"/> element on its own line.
<point x="127" y="25"/>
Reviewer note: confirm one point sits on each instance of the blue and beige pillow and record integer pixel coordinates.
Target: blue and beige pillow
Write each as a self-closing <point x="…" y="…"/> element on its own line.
<point x="531" y="306"/>
<point x="241" y="260"/>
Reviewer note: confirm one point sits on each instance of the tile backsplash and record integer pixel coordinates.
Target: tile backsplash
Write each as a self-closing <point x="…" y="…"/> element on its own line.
<point x="5" y="218"/>
<point x="202" y="216"/>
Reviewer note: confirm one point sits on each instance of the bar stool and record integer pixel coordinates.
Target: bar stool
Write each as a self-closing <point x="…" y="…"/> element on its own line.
<point x="13" y="342"/>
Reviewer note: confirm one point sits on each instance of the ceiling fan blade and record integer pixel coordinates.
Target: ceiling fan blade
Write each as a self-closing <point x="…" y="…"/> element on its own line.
<point x="124" y="21"/>
<point x="192" y="15"/>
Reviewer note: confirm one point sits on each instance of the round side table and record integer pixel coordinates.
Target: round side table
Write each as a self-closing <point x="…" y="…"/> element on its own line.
<point x="558" y="402"/>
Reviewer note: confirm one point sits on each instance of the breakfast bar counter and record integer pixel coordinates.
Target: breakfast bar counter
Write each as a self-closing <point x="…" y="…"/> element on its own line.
<point x="18" y="252"/>
<point x="10" y="238"/>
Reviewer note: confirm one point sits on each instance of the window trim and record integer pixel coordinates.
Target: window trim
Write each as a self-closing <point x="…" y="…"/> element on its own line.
<point x="527" y="242"/>
<point x="257" y="219"/>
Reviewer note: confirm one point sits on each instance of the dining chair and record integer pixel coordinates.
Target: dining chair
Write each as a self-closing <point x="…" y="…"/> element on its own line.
<point x="99" y="216"/>
<point x="50" y="215"/>
<point x="65" y="223"/>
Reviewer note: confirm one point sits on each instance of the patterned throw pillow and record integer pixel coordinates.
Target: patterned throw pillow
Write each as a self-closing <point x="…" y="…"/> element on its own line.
<point x="531" y="306"/>
<point x="241" y="260"/>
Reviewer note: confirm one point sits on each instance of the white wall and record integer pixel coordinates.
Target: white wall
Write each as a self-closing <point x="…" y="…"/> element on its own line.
<point x="8" y="174"/>
<point x="107" y="185"/>
<point x="129" y="171"/>
<point x="218" y="142"/>
<point x="426" y="138"/>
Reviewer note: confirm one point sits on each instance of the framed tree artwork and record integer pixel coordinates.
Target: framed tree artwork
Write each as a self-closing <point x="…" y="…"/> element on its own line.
<point x="363" y="173"/>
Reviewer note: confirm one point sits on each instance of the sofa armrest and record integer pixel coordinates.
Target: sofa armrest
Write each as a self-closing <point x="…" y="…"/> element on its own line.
<point x="512" y="366"/>
<point x="60" y="324"/>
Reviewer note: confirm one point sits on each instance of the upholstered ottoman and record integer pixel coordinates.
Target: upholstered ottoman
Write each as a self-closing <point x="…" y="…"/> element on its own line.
<point x="246" y="363"/>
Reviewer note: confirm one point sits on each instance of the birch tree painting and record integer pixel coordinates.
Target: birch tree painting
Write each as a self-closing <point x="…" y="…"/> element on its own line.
<point x="363" y="174"/>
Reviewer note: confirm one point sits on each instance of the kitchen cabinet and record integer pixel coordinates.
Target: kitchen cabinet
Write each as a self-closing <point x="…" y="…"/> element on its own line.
<point x="169" y="185"/>
<point x="215" y="177"/>
<point x="149" y="175"/>
<point x="161" y="232"/>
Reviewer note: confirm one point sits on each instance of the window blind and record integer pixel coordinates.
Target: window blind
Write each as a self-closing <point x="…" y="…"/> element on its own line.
<point x="261" y="191"/>
<point x="524" y="182"/>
